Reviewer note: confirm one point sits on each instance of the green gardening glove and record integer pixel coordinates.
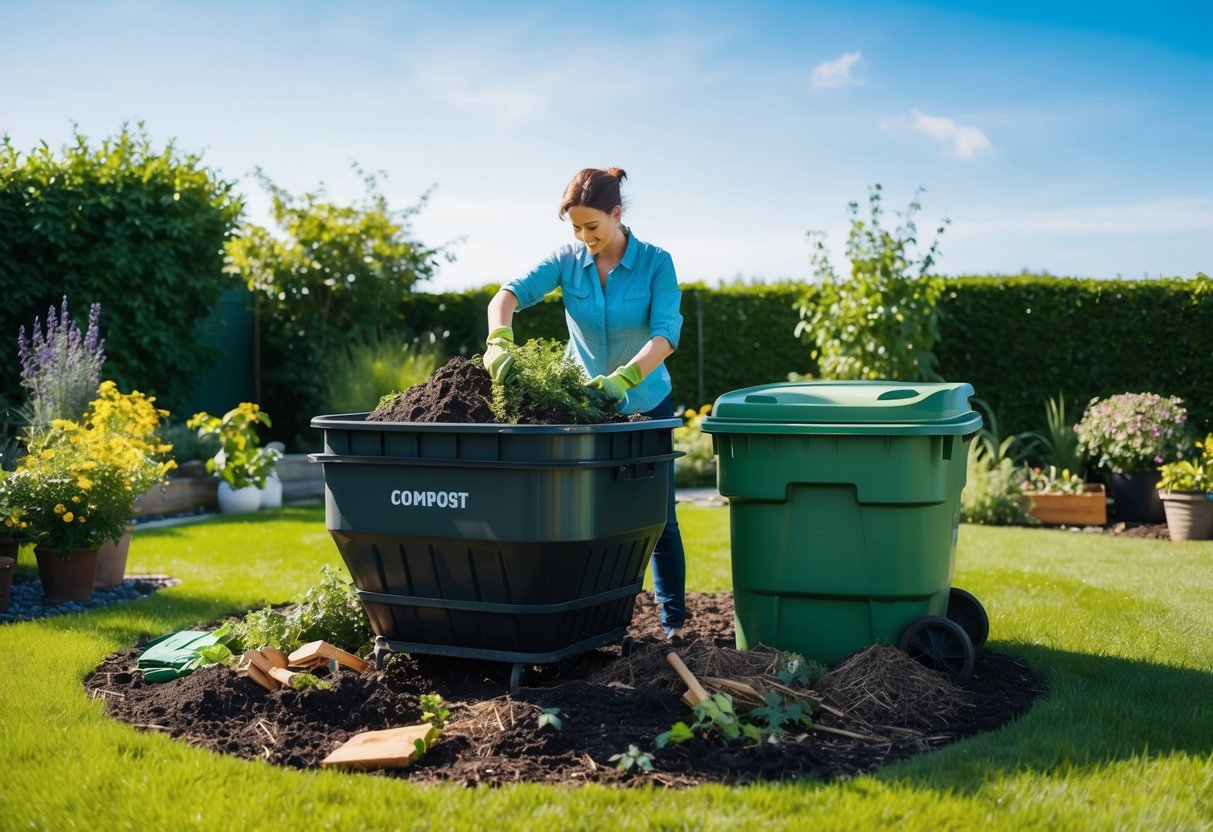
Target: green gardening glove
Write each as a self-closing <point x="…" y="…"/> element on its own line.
<point x="497" y="358"/>
<point x="615" y="386"/>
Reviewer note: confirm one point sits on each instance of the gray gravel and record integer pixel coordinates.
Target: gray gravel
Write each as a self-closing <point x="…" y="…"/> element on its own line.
<point x="26" y="603"/>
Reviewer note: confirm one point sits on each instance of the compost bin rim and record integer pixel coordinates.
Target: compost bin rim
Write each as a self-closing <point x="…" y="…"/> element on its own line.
<point x="960" y="426"/>
<point x="357" y="421"/>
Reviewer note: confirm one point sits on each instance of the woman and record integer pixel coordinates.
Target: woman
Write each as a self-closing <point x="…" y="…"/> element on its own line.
<point x="621" y="300"/>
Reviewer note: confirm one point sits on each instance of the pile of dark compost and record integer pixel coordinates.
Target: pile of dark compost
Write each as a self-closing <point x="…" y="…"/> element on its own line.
<point x="877" y="708"/>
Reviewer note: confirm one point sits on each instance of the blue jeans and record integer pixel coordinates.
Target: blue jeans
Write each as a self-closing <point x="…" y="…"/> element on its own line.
<point x="669" y="560"/>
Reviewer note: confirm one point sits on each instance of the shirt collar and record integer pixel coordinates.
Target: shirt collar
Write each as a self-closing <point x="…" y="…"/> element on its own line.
<point x="629" y="254"/>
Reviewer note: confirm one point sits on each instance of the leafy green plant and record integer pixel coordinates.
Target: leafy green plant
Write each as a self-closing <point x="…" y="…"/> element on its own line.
<point x="778" y="710"/>
<point x="550" y="718"/>
<point x="549" y="380"/>
<point x="303" y="681"/>
<point x="1133" y="431"/>
<point x="240" y="460"/>
<point x="364" y="372"/>
<point x="136" y="228"/>
<point x="1060" y="439"/>
<point x="632" y="758"/>
<point x="698" y="466"/>
<point x="1190" y="474"/>
<point x="883" y="322"/>
<point x="679" y="733"/>
<point x="993" y="493"/>
<point x="329" y="611"/>
<point x="434" y="710"/>
<point x="1051" y="481"/>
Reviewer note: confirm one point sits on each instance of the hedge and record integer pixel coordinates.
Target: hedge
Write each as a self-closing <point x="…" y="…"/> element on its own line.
<point x="1018" y="340"/>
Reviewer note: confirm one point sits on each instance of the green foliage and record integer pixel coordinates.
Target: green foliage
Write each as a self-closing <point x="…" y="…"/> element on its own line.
<point x="139" y="230"/>
<point x="1133" y="431"/>
<point x="632" y="758"/>
<point x="303" y="681"/>
<point x="550" y="718"/>
<point x="434" y="710"/>
<point x="331" y="274"/>
<point x="364" y="372"/>
<point x="778" y="711"/>
<point x="1051" y="481"/>
<point x="993" y="493"/>
<point x="240" y="460"/>
<point x="548" y="379"/>
<point x="698" y="466"/>
<point x="1059" y="440"/>
<point x="329" y="611"/>
<point x="679" y="733"/>
<point x="883" y="322"/>
<point x="1190" y="474"/>
<point x="1018" y="340"/>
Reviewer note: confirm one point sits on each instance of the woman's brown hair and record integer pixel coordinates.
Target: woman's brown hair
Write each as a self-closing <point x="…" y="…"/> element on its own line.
<point x="593" y="188"/>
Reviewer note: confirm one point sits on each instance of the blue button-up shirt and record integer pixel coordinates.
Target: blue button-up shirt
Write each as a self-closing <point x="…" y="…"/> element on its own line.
<point x="607" y="328"/>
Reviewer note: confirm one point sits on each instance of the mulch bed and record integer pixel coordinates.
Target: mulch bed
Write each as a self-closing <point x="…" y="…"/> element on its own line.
<point x="877" y="708"/>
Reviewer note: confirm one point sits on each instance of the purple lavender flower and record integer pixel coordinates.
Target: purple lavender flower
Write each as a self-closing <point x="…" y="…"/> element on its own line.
<point x="60" y="367"/>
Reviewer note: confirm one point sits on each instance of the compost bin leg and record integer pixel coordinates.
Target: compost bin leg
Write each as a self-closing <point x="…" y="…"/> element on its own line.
<point x="381" y="652"/>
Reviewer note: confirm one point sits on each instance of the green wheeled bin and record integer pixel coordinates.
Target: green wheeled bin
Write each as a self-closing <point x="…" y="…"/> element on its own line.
<point x="844" y="501"/>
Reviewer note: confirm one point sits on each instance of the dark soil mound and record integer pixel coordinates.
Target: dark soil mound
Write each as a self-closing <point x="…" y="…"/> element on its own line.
<point x="876" y="708"/>
<point x="458" y="391"/>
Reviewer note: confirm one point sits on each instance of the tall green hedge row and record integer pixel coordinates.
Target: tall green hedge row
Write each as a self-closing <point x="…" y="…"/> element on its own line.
<point x="1018" y="340"/>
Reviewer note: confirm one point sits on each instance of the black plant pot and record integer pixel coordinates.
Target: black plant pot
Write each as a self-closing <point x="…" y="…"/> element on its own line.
<point x="1135" y="497"/>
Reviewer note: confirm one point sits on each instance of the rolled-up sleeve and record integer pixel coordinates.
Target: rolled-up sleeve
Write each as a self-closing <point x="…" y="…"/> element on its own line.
<point x="665" y="319"/>
<point x="530" y="288"/>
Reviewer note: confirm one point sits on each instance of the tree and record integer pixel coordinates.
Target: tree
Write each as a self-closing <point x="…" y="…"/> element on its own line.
<point x="883" y="322"/>
<point x="331" y="274"/>
<point x="139" y="230"/>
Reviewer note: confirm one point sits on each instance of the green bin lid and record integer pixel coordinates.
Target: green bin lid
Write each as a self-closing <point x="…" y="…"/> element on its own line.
<point x="847" y="407"/>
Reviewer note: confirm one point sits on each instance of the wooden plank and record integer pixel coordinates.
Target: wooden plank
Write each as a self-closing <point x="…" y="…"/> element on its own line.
<point x="1087" y="509"/>
<point x="391" y="748"/>
<point x="695" y="689"/>
<point x="282" y="675"/>
<point x="325" y="650"/>
<point x="276" y="657"/>
<point x="262" y="678"/>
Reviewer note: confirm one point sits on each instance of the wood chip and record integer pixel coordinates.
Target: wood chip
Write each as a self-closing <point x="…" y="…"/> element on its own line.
<point x="391" y="748"/>
<point x="323" y="649"/>
<point x="261" y="677"/>
<point x="275" y="656"/>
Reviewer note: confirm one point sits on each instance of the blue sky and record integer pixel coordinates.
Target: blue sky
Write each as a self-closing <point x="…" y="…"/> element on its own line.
<point x="1074" y="140"/>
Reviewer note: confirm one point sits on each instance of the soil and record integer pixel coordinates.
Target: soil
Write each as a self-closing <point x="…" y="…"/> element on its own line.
<point x="876" y="708"/>
<point x="459" y="392"/>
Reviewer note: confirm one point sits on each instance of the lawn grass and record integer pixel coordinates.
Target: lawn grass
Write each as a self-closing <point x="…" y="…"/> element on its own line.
<point x="1121" y="629"/>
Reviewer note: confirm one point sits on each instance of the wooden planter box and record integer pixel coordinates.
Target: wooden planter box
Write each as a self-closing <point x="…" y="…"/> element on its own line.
<point x="1087" y="509"/>
<point x="182" y="494"/>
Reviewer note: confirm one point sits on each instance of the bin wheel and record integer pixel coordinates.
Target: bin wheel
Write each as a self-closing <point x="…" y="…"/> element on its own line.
<point x="516" y="674"/>
<point x="627" y="646"/>
<point x="967" y="611"/>
<point x="941" y="644"/>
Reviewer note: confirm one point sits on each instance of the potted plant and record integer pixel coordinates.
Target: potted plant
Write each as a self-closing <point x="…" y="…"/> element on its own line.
<point x="1186" y="491"/>
<point x="73" y="491"/>
<point x="1127" y="436"/>
<point x="242" y="465"/>
<point x="1060" y="498"/>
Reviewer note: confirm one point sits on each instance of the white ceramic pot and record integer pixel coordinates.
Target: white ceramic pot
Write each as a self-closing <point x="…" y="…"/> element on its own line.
<point x="271" y="492"/>
<point x="238" y="500"/>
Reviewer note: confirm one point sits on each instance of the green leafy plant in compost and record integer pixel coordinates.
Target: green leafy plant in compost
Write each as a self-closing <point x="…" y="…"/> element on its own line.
<point x="329" y="611"/>
<point x="632" y="758"/>
<point x="434" y="710"/>
<point x="550" y="718"/>
<point x="548" y="380"/>
<point x="303" y="681"/>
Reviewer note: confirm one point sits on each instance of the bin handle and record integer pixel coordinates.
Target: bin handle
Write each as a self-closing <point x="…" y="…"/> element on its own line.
<point x="493" y="463"/>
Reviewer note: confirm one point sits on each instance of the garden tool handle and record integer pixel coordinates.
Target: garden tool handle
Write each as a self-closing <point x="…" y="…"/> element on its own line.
<point x="693" y="686"/>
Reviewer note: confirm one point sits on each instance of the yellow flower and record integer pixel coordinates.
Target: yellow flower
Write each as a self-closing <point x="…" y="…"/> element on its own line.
<point x="68" y="517"/>
<point x="60" y="508"/>
<point x="49" y="453"/>
<point x="84" y="483"/>
<point x="76" y="499"/>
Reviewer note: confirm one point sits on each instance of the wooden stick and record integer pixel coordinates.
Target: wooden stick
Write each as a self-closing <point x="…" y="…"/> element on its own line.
<point x="695" y="689"/>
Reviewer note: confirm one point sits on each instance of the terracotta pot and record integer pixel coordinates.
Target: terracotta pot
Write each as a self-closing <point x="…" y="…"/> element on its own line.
<point x="1189" y="514"/>
<point x="111" y="561"/>
<point x="1135" y="496"/>
<point x="7" y="567"/>
<point x="67" y="578"/>
<point x="238" y="500"/>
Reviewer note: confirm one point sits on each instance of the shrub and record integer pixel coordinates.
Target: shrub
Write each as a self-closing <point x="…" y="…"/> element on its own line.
<point x="1133" y="431"/>
<point x="357" y="377"/>
<point x="548" y="380"/>
<point x="698" y="467"/>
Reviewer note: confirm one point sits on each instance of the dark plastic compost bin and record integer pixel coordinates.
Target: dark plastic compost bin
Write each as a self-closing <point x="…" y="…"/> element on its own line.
<point x="844" y="503"/>
<point x="514" y="543"/>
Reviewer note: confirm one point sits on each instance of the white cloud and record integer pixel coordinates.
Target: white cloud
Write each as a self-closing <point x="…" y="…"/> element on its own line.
<point x="958" y="140"/>
<point x="837" y="73"/>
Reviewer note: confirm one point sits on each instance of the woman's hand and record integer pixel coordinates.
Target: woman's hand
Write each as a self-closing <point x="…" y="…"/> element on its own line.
<point x="497" y="358"/>
<point x="615" y="386"/>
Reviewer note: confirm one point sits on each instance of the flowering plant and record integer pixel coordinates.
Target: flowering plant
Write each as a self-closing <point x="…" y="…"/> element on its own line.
<point x="60" y="368"/>
<point x="698" y="466"/>
<point x="240" y="460"/>
<point x="1038" y="481"/>
<point x="75" y="487"/>
<point x="1190" y="474"/>
<point x="1133" y="431"/>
